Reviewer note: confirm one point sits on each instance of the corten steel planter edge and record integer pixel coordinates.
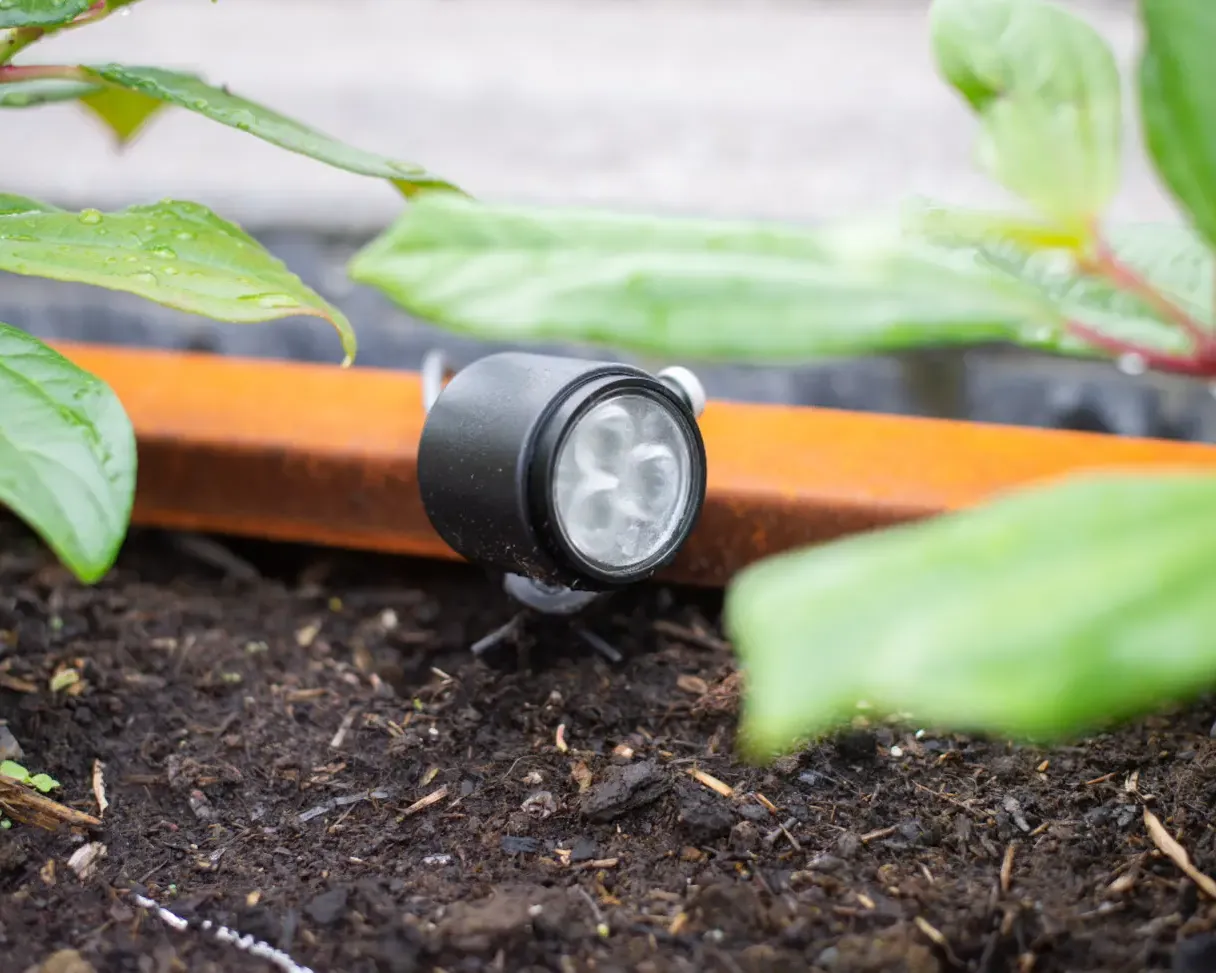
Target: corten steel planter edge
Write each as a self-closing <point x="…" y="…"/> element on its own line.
<point x="316" y="454"/>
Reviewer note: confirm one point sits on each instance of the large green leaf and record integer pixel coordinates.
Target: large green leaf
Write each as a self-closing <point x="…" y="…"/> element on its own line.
<point x="1178" y="102"/>
<point x="190" y="92"/>
<point x="43" y="91"/>
<point x="698" y="289"/>
<point x="67" y="454"/>
<point x="1046" y="89"/>
<point x="40" y="13"/>
<point x="1043" y="614"/>
<point x="175" y="253"/>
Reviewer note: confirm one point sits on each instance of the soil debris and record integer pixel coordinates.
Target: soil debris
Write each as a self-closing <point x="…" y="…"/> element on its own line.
<point x="306" y="769"/>
<point x="624" y="789"/>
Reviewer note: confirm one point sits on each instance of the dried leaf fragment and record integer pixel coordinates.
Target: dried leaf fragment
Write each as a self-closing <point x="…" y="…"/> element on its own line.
<point x="99" y="787"/>
<point x="84" y="859"/>
<point x="581" y="775"/>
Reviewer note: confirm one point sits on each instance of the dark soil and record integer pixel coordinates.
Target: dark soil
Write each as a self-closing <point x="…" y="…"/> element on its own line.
<point x="568" y="833"/>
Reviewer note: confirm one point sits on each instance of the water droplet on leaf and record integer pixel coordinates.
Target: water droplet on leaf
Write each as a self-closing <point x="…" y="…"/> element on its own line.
<point x="163" y="252"/>
<point x="272" y="300"/>
<point x="90" y="216"/>
<point x="1132" y="364"/>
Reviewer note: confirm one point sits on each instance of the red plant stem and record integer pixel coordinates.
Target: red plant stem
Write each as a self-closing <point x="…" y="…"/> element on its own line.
<point x="1106" y="264"/>
<point x="1196" y="365"/>
<point x="31" y="72"/>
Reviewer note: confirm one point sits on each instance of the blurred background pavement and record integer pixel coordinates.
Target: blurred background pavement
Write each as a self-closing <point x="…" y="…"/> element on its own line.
<point x="798" y="109"/>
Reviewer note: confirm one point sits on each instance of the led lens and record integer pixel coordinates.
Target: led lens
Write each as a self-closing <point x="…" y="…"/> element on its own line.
<point x="623" y="481"/>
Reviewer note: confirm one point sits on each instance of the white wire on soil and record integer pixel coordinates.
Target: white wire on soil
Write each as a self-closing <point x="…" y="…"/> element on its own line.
<point x="255" y="947"/>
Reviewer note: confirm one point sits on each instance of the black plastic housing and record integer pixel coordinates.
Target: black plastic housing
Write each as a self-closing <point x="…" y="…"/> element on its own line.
<point x="487" y="456"/>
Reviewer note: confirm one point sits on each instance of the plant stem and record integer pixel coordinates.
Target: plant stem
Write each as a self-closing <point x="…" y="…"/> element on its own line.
<point x="1195" y="365"/>
<point x="1105" y="263"/>
<point x="10" y="73"/>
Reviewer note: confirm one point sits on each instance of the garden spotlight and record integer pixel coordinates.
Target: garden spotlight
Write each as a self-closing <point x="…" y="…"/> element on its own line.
<point x="575" y="477"/>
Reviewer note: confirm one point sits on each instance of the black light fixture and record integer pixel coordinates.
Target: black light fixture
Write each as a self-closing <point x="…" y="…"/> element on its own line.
<point x="574" y="477"/>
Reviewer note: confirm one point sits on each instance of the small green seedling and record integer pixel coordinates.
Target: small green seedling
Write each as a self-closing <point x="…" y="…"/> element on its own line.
<point x="42" y="783"/>
<point x="1043" y="614"/>
<point x="67" y="451"/>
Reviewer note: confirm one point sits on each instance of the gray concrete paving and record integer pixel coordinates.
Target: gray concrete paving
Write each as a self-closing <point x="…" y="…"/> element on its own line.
<point x="770" y="108"/>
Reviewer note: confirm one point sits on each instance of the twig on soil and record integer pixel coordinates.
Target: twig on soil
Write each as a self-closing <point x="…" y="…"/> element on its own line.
<point x="935" y="936"/>
<point x="247" y="944"/>
<point x="424" y="802"/>
<point x="770" y="839"/>
<point x="343" y="728"/>
<point x="600" y="645"/>
<point x="880" y="833"/>
<point x="28" y="807"/>
<point x="1177" y="854"/>
<point x="962" y="806"/>
<point x="1007" y="867"/>
<point x="712" y="782"/>
<point x="347" y="801"/>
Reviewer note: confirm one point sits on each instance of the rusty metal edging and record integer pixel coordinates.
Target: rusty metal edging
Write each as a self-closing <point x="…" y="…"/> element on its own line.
<point x="317" y="454"/>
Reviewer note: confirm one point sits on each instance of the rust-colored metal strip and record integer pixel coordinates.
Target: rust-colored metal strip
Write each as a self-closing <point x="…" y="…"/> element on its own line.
<point x="318" y="454"/>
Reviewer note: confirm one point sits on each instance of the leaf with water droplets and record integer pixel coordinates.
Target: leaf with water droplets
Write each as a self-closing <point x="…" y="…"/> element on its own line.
<point x="43" y="91"/>
<point x="40" y="13"/>
<point x="174" y="253"/>
<point x="67" y="454"/>
<point x="220" y="105"/>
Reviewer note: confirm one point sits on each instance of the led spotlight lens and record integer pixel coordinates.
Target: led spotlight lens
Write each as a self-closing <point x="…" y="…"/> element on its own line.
<point x="586" y="475"/>
<point x="622" y="483"/>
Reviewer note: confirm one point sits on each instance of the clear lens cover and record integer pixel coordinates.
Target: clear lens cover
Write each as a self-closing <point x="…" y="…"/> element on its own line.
<point x="623" y="479"/>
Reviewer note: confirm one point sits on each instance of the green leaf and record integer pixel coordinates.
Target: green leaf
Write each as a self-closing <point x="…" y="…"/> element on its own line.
<point x="10" y="768"/>
<point x="67" y="454"/>
<point x="10" y="204"/>
<point x="43" y="782"/>
<point x="193" y="94"/>
<point x="43" y="91"/>
<point x="40" y="13"/>
<point x="1042" y="615"/>
<point x="700" y="289"/>
<point x="124" y="112"/>
<point x="178" y="254"/>
<point x="1046" y="90"/>
<point x="1178" y="102"/>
